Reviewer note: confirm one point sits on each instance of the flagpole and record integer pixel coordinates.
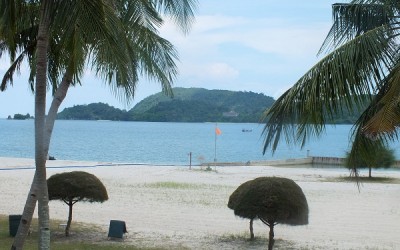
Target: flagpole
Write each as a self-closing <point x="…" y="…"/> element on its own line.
<point x="215" y="145"/>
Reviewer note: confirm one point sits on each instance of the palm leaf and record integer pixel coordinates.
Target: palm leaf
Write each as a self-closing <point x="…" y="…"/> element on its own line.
<point x="347" y="75"/>
<point x="386" y="119"/>
<point x="354" y="19"/>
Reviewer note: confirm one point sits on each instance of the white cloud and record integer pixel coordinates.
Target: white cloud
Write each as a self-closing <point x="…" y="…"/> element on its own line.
<point x="221" y="71"/>
<point x="258" y="45"/>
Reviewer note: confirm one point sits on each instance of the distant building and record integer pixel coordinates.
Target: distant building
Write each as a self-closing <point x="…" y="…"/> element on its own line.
<point x="230" y="114"/>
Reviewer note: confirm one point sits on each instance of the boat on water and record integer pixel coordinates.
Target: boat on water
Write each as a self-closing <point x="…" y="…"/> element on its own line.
<point x="247" y="130"/>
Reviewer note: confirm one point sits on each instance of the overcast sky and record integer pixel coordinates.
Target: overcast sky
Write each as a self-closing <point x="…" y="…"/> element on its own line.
<point x="262" y="46"/>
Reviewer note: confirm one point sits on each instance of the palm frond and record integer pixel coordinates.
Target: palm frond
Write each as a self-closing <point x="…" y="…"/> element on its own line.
<point x="386" y="119"/>
<point x="15" y="66"/>
<point x="182" y="11"/>
<point x="349" y="74"/>
<point x="354" y="19"/>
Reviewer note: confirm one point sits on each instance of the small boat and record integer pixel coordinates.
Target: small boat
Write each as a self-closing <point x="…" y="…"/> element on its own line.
<point x="247" y="130"/>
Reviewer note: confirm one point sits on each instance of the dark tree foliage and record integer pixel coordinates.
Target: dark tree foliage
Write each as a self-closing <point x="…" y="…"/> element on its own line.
<point x="202" y="105"/>
<point x="273" y="200"/>
<point x="22" y="117"/>
<point x="93" y="111"/>
<point x="187" y="105"/>
<point x="378" y="157"/>
<point x="75" y="186"/>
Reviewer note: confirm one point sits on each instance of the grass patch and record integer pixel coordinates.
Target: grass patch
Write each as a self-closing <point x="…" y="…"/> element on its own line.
<point x="243" y="241"/>
<point x="365" y="179"/>
<point x="173" y="185"/>
<point x="81" y="237"/>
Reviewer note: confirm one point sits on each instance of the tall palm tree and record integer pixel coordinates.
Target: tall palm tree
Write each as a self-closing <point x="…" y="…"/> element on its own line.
<point x="362" y="66"/>
<point x="119" y="41"/>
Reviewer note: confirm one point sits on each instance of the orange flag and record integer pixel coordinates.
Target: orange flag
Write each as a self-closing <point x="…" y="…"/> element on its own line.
<point x="217" y="131"/>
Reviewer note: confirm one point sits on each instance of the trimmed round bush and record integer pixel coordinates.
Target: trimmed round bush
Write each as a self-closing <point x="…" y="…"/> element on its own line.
<point x="273" y="200"/>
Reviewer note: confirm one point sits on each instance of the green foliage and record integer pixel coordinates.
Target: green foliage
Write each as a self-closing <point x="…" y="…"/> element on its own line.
<point x="93" y="111"/>
<point x="173" y="185"/>
<point x="76" y="186"/>
<point x="202" y="105"/>
<point x="22" y="117"/>
<point x="271" y="199"/>
<point x="187" y="105"/>
<point x="360" y="73"/>
<point x="379" y="157"/>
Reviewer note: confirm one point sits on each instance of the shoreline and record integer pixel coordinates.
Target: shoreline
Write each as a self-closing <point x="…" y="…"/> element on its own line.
<point x="177" y="207"/>
<point x="9" y="163"/>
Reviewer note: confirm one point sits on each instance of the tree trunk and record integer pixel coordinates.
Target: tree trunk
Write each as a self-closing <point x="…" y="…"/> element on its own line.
<point x="370" y="172"/>
<point x="271" y="240"/>
<point x="26" y="219"/>
<point x="251" y="230"/>
<point x="40" y="122"/>
<point x="58" y="98"/>
<point x="70" y="204"/>
<point x="30" y="204"/>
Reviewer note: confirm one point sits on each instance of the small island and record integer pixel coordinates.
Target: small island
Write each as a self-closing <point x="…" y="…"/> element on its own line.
<point x="20" y="117"/>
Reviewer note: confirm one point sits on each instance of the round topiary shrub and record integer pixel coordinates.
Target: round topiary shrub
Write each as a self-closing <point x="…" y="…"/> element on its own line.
<point x="75" y="186"/>
<point x="273" y="200"/>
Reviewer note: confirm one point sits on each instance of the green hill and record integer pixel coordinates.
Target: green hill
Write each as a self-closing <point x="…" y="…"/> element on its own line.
<point x="202" y="105"/>
<point x="93" y="111"/>
<point x="190" y="105"/>
<point x="187" y="105"/>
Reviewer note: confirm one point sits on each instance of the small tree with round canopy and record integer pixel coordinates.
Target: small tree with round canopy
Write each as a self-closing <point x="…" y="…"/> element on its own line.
<point x="271" y="199"/>
<point x="371" y="155"/>
<point x="75" y="186"/>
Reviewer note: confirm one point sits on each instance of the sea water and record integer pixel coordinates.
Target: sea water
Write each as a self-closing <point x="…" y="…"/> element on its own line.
<point x="164" y="142"/>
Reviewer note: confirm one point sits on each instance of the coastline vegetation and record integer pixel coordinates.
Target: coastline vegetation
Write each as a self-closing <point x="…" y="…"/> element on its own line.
<point x="188" y="105"/>
<point x="365" y="179"/>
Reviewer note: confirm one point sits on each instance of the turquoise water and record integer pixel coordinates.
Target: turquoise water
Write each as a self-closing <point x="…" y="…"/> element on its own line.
<point x="161" y="143"/>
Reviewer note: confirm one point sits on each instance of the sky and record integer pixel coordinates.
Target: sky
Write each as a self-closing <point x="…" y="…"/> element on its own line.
<point x="263" y="46"/>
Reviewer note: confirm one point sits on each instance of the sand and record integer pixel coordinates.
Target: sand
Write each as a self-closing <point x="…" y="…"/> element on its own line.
<point x="178" y="208"/>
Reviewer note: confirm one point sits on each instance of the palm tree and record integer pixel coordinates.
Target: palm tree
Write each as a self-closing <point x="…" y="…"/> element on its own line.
<point x="118" y="38"/>
<point x="362" y="66"/>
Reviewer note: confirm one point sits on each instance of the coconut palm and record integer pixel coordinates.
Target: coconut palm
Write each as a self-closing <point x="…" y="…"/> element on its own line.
<point x="72" y="187"/>
<point x="118" y="39"/>
<point x="362" y="66"/>
<point x="271" y="199"/>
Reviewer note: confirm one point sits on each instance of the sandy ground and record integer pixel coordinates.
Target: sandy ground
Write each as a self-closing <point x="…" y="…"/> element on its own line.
<point x="177" y="208"/>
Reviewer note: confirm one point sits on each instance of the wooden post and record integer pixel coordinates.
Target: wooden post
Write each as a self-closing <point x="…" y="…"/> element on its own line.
<point x="190" y="160"/>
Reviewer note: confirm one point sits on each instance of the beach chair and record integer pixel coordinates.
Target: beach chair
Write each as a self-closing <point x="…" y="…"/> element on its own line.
<point x="117" y="229"/>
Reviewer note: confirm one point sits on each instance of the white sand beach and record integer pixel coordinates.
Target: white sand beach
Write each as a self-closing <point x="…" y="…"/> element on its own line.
<point x="172" y="206"/>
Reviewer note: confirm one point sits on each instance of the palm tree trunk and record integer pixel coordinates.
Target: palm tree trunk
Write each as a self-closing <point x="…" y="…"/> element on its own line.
<point x="30" y="204"/>
<point x="58" y="98"/>
<point x="26" y="219"/>
<point x="40" y="111"/>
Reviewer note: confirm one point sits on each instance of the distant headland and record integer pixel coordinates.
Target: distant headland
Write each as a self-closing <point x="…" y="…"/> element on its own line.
<point x="187" y="105"/>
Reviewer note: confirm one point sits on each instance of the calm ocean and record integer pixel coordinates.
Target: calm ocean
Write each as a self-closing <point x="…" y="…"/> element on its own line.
<point x="162" y="143"/>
